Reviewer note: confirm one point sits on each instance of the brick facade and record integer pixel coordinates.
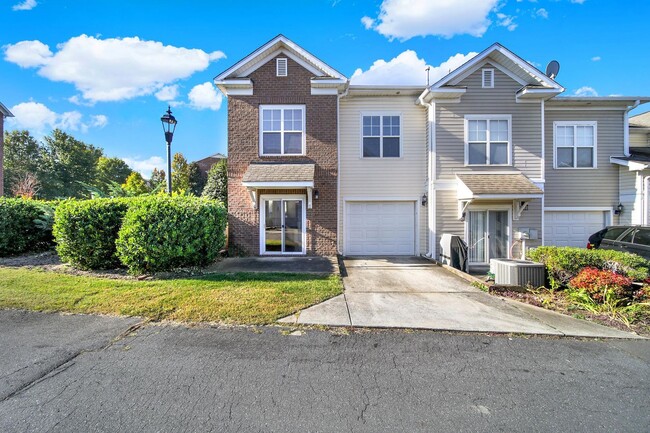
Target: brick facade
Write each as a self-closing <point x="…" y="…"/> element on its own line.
<point x="321" y="150"/>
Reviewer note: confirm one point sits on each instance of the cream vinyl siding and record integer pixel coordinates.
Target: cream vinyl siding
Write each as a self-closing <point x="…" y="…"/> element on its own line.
<point x="389" y="179"/>
<point x="630" y="183"/>
<point x="639" y="139"/>
<point x="526" y="139"/>
<point x="597" y="187"/>
<point x="447" y="217"/>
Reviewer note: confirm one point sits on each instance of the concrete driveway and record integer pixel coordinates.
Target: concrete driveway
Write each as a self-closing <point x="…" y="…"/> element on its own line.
<point x="412" y="292"/>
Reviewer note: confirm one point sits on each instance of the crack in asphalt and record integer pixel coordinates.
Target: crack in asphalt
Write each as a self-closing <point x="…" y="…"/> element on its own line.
<point x="68" y="362"/>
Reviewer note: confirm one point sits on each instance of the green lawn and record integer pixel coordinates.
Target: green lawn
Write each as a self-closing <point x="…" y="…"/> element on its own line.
<point x="242" y="298"/>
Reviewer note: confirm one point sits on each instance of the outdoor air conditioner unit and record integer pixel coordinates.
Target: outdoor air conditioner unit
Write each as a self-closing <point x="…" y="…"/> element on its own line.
<point x="520" y="273"/>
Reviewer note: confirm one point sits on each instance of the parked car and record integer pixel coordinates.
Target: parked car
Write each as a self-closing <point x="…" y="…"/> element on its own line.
<point x="629" y="239"/>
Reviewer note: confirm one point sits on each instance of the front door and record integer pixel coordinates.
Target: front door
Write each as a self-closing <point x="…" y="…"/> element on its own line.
<point x="284" y="228"/>
<point x="488" y="232"/>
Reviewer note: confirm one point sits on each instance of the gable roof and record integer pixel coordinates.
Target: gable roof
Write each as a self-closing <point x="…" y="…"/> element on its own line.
<point x="277" y="45"/>
<point x="641" y="120"/>
<point x="5" y="111"/>
<point x="515" y="66"/>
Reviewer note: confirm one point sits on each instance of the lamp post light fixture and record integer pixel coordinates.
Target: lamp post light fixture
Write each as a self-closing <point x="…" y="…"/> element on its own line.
<point x="169" y="126"/>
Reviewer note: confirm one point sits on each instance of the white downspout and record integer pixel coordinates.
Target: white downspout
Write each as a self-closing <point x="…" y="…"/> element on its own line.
<point x="644" y="200"/>
<point x="431" y="192"/>
<point x="339" y="210"/>
<point x="626" y="127"/>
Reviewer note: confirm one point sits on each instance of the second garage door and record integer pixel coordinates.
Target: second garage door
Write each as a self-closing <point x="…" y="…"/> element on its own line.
<point x="572" y="228"/>
<point x="380" y="228"/>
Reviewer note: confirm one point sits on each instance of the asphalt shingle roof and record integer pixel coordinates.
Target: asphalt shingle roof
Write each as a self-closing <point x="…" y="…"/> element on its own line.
<point x="279" y="173"/>
<point x="509" y="184"/>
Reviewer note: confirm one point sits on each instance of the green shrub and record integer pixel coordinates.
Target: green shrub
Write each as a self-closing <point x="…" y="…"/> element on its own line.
<point x="162" y="233"/>
<point x="564" y="263"/>
<point x="20" y="230"/>
<point x="86" y="230"/>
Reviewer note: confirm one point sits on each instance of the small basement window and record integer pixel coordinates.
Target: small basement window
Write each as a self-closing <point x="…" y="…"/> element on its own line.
<point x="281" y="67"/>
<point x="488" y="78"/>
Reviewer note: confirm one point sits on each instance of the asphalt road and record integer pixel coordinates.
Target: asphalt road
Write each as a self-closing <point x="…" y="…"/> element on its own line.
<point x="201" y="379"/>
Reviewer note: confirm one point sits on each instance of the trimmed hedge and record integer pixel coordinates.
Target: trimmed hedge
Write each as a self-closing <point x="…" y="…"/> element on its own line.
<point x="23" y="226"/>
<point x="565" y="263"/>
<point x="162" y="233"/>
<point x="85" y="231"/>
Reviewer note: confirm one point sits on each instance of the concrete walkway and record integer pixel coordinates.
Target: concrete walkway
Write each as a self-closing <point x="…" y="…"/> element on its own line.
<point x="414" y="293"/>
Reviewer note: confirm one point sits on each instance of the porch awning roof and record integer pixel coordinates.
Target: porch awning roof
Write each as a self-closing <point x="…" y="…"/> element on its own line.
<point x="279" y="176"/>
<point x="496" y="187"/>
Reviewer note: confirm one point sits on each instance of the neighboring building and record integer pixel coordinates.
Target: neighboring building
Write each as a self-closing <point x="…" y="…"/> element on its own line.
<point x="206" y="163"/>
<point x="634" y="173"/>
<point x="4" y="112"/>
<point x="490" y="153"/>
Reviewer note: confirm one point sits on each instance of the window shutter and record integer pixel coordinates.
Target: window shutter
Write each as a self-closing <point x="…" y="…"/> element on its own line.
<point x="488" y="78"/>
<point x="281" y="67"/>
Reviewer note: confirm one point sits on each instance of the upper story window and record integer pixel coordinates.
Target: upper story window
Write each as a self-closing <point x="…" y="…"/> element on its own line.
<point x="575" y="144"/>
<point x="282" y="129"/>
<point x="487" y="140"/>
<point x="488" y="78"/>
<point x="281" y="67"/>
<point x="381" y="136"/>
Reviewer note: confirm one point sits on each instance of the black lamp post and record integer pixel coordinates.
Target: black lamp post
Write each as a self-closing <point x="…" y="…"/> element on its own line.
<point x="169" y="126"/>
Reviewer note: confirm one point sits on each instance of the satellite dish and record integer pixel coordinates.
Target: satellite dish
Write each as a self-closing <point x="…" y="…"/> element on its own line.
<point x="552" y="69"/>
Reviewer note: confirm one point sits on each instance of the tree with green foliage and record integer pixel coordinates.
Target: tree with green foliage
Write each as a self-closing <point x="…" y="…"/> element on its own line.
<point x="158" y="181"/>
<point x="109" y="171"/>
<point x="217" y="185"/>
<point x="66" y="162"/>
<point x="135" y="185"/>
<point x="180" y="174"/>
<point x="22" y="158"/>
<point x="197" y="179"/>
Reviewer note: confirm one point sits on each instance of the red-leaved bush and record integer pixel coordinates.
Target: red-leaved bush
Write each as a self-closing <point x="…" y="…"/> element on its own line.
<point x="597" y="282"/>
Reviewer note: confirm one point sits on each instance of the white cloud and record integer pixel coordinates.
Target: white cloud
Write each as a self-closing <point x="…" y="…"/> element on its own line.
<point x="595" y="59"/>
<point x="586" y="91"/>
<point x="98" y="121"/>
<point x="167" y="93"/>
<point x="145" y="166"/>
<point x="542" y="13"/>
<point x="367" y="22"/>
<point x="404" y="19"/>
<point x="111" y="69"/>
<point x="28" y="54"/>
<point x="204" y="96"/>
<point x="25" y="6"/>
<point x="507" y="21"/>
<point x="407" y="69"/>
<point x="38" y="118"/>
<point x="578" y="1"/>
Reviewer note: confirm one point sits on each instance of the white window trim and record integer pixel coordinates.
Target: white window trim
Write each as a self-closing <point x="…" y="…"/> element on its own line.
<point x="488" y="117"/>
<point x="483" y="71"/>
<point x="381" y="137"/>
<point x="575" y="156"/>
<point x="262" y="228"/>
<point x="261" y="130"/>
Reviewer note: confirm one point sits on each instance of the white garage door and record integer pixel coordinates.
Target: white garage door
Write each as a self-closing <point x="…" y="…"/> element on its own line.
<point x="380" y="228"/>
<point x="572" y="229"/>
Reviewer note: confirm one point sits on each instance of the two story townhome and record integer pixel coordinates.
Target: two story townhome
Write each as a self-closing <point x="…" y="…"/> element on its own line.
<point x="491" y="153"/>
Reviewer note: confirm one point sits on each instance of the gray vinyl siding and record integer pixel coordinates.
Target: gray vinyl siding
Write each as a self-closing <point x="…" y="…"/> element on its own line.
<point x="630" y="196"/>
<point x="530" y="218"/>
<point x="378" y="178"/>
<point x="526" y="126"/>
<point x="585" y="187"/>
<point x="447" y="217"/>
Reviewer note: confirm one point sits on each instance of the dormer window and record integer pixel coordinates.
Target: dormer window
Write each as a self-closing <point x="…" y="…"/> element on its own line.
<point x="488" y="78"/>
<point x="281" y="67"/>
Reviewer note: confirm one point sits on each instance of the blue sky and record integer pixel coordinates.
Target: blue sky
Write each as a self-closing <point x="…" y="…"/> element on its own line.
<point x="105" y="71"/>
